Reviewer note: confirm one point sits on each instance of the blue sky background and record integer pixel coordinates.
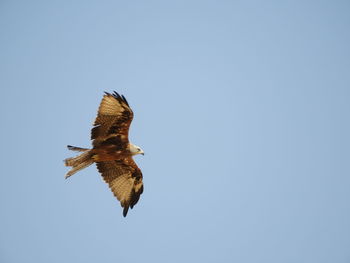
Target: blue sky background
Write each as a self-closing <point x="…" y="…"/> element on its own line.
<point x="242" y="108"/>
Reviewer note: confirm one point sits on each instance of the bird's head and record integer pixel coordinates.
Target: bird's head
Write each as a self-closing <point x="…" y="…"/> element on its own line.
<point x="134" y="149"/>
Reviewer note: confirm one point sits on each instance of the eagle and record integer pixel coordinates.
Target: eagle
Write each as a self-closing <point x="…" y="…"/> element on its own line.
<point x="112" y="151"/>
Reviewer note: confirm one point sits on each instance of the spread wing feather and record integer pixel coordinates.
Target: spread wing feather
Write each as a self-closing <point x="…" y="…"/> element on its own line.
<point x="113" y="121"/>
<point x="124" y="179"/>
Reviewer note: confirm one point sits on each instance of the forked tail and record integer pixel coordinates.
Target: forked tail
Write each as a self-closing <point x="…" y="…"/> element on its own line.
<point x="79" y="162"/>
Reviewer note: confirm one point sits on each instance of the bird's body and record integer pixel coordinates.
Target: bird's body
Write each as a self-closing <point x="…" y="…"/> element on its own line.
<point x="112" y="152"/>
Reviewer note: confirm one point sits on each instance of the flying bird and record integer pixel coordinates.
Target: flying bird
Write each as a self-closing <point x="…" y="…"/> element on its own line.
<point x="112" y="151"/>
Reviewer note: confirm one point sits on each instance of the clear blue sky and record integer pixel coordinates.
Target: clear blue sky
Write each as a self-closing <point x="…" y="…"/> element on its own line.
<point x="242" y="108"/>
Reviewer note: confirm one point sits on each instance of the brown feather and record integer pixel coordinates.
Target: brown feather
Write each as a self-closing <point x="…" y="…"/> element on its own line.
<point x="124" y="179"/>
<point x="113" y="120"/>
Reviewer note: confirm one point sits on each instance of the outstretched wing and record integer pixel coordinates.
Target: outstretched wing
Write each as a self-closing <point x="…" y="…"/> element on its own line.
<point x="124" y="179"/>
<point x="112" y="123"/>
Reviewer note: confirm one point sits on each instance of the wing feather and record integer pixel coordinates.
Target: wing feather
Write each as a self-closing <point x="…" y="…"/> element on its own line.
<point x="124" y="179"/>
<point x="113" y="121"/>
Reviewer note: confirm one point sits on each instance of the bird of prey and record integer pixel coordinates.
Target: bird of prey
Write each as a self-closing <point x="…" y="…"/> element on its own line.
<point x="112" y="152"/>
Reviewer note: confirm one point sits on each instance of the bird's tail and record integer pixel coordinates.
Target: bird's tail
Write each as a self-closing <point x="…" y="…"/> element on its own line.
<point x="77" y="149"/>
<point x="79" y="162"/>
